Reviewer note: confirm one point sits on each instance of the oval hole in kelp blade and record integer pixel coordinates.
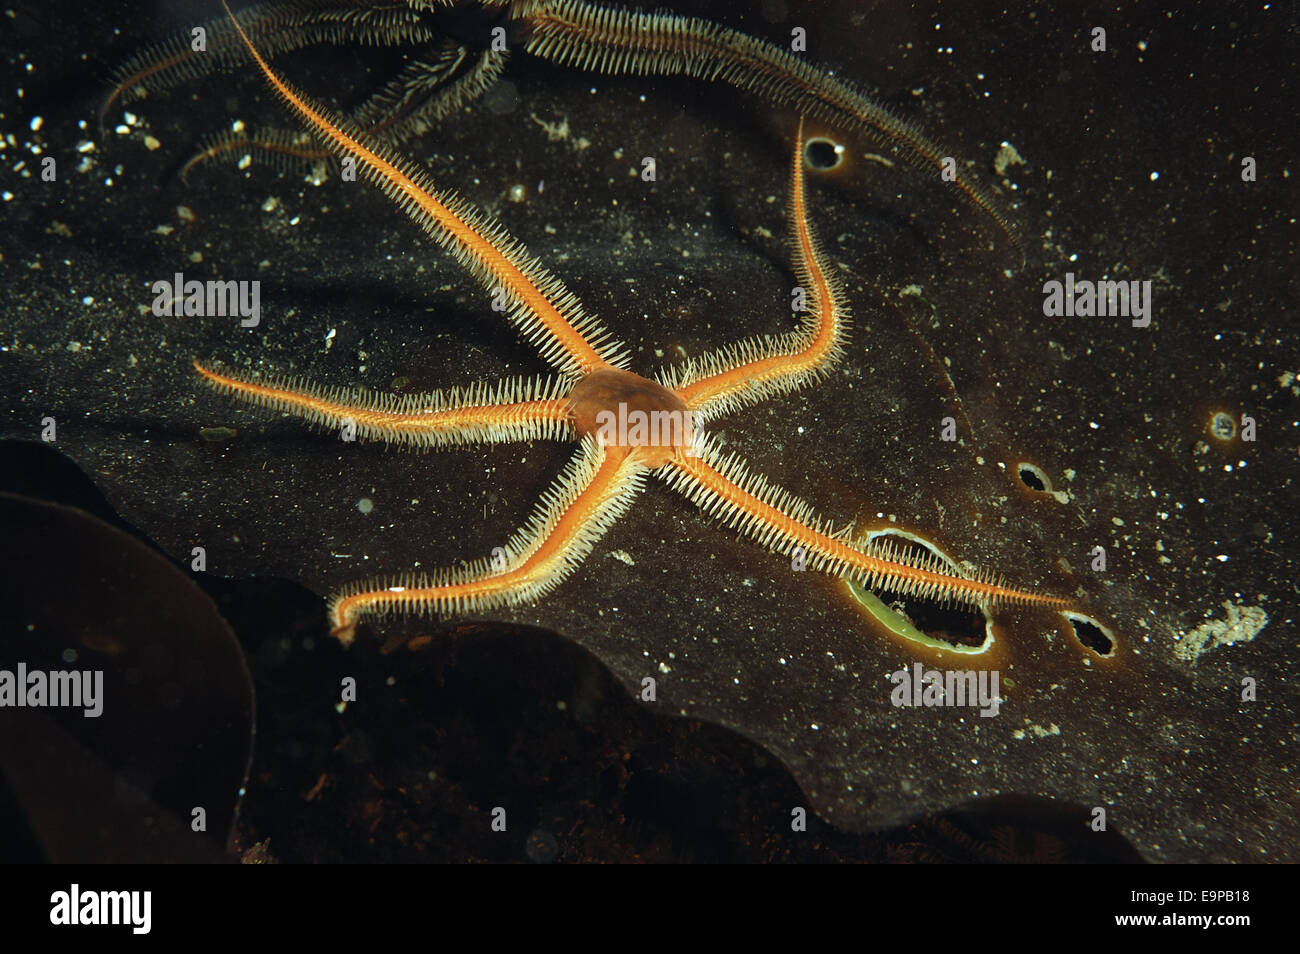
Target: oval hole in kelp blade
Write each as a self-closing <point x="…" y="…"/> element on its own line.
<point x="1034" y="477"/>
<point x="1092" y="635"/>
<point x="926" y="623"/>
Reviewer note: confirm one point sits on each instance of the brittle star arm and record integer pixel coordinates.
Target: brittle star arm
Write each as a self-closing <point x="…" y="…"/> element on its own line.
<point x="725" y="488"/>
<point x="407" y="106"/>
<point x="758" y="368"/>
<point x="276" y="28"/>
<point x="594" y="491"/>
<point x="546" y="312"/>
<point x="423" y="94"/>
<point x="519" y="409"/>
<point x="615" y="41"/>
<point x="567" y="32"/>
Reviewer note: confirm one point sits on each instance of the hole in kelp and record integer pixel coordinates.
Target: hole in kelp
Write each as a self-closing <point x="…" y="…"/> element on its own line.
<point x="822" y="155"/>
<point x="1222" y="426"/>
<point x="934" y="623"/>
<point x="1091" y="634"/>
<point x="1034" y="477"/>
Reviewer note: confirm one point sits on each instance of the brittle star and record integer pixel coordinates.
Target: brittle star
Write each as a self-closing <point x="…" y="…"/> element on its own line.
<point x="469" y="57"/>
<point x="593" y="388"/>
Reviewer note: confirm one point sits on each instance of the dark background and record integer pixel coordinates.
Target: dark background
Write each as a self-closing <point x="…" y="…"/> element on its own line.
<point x="749" y="657"/>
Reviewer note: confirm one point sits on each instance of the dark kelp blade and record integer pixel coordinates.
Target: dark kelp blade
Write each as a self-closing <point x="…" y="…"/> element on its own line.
<point x="157" y="774"/>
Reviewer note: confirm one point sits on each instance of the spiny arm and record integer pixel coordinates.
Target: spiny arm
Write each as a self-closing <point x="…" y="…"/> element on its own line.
<point x="758" y="368"/>
<point x="616" y="41"/>
<point x="276" y="28"/>
<point x="594" y="491"/>
<point x="547" y="313"/>
<point x="514" y="410"/>
<point x="427" y="91"/>
<point x="724" y="487"/>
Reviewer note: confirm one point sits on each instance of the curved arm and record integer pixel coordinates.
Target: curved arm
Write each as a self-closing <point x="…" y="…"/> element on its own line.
<point x="615" y="41"/>
<point x="594" y="491"/>
<point x="758" y="368"/>
<point x="276" y="28"/>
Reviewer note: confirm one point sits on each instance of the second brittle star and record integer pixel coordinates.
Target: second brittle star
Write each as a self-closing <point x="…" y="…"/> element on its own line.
<point x="627" y="426"/>
<point x="462" y="48"/>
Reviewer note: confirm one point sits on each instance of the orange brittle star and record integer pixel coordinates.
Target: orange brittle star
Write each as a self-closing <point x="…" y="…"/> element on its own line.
<point x="593" y="389"/>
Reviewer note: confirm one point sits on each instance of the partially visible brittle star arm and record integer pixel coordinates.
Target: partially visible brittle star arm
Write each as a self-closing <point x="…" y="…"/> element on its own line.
<point x="519" y="409"/>
<point x="409" y="106"/>
<point x="758" y="368"/>
<point x="724" y="487"/>
<point x="427" y="91"/>
<point x="616" y="41"/>
<point x="546" y="312"/>
<point x="594" y="491"/>
<point x="276" y="28"/>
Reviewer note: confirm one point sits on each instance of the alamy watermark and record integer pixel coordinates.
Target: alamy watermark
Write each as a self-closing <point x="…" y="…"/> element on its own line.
<point x="76" y="689"/>
<point x="98" y="908"/>
<point x="953" y="687"/>
<point x="211" y="299"/>
<point x="637" y="428"/>
<point x="1103" y="299"/>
